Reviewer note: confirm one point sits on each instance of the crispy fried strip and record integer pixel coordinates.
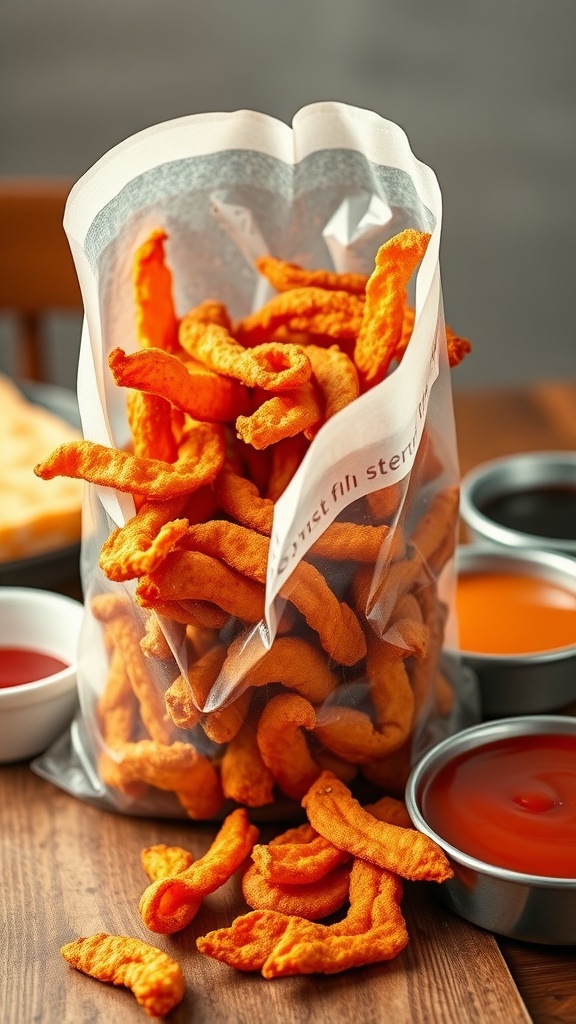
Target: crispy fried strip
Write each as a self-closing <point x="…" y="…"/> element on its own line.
<point x="313" y="900"/>
<point x="287" y="454"/>
<point x="291" y="661"/>
<point x="143" y="542"/>
<point x="335" y="375"/>
<point x="356" y="542"/>
<point x="210" y="311"/>
<point x="193" y="576"/>
<point x="155" y="978"/>
<point x="282" y="744"/>
<point x="200" y="614"/>
<point x="161" y="861"/>
<point x="282" y="416"/>
<point x="284" y="276"/>
<point x="151" y="478"/>
<point x="154" y="643"/>
<point x="156" y="322"/>
<point x="334" y="813"/>
<point x="245" y="777"/>
<point x="308" y="948"/>
<point x="373" y="929"/>
<point x="189" y="387"/>
<point x="334" y="621"/>
<point x="272" y="366"/>
<point x="126" y="635"/>
<point x="301" y="862"/>
<point x="151" y="426"/>
<point x="241" y="500"/>
<point x="434" y="536"/>
<point x="381" y="328"/>
<point x="169" y="904"/>
<point x="337" y="314"/>
<point x="117" y="717"/>
<point x="185" y="698"/>
<point x="301" y="856"/>
<point x="177" y="768"/>
<point x="242" y="549"/>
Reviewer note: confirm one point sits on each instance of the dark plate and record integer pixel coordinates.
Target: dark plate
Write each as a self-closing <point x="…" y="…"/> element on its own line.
<point x="61" y="565"/>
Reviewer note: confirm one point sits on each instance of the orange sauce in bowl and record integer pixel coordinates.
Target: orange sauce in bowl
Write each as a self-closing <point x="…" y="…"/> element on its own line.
<point x="509" y="613"/>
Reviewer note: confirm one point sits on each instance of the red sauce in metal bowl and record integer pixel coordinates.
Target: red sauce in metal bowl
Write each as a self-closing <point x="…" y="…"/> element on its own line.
<point x="510" y="803"/>
<point x="21" y="665"/>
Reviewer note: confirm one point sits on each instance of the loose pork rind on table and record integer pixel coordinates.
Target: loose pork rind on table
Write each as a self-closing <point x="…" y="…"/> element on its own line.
<point x="271" y="512"/>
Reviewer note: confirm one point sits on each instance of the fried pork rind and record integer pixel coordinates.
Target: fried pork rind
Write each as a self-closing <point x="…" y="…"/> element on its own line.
<point x="169" y="904"/>
<point x="335" y="814"/>
<point x="156" y="322"/>
<point x="154" y="977"/>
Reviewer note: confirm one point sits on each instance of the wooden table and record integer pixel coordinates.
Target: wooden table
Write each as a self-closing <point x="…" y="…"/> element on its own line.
<point x="69" y="869"/>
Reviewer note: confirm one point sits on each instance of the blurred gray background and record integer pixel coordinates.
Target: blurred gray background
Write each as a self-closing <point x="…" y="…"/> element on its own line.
<point x="485" y="91"/>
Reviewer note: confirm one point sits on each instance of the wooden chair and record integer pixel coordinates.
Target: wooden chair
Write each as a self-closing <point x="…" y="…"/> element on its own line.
<point x="37" y="274"/>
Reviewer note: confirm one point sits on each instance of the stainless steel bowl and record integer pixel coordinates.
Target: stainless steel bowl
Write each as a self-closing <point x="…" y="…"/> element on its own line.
<point x="533" y="908"/>
<point x="510" y="475"/>
<point x="521" y="684"/>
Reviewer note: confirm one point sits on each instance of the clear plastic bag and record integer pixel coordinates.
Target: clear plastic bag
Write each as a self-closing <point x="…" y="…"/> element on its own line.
<point x="348" y="668"/>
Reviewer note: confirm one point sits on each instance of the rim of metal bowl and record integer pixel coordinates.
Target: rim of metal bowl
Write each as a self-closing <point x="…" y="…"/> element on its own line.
<point x="442" y="752"/>
<point x="477" y="483"/>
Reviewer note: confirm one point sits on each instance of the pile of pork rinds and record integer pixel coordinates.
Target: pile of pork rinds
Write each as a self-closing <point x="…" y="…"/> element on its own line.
<point x="325" y="896"/>
<point x="220" y="416"/>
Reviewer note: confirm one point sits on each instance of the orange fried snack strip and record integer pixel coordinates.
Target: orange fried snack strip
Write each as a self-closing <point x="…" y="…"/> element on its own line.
<point x="292" y="661"/>
<point x="381" y="328"/>
<point x="434" y="535"/>
<point x="283" y="746"/>
<point x="336" y="624"/>
<point x="355" y="542"/>
<point x="351" y="733"/>
<point x="308" y="948"/>
<point x="284" y="275"/>
<point x="272" y="366"/>
<point x="337" y="314"/>
<point x="334" y="813"/>
<point x="143" y="542"/>
<point x="161" y="861"/>
<point x="169" y="904"/>
<point x="282" y="416"/>
<point x="241" y="500"/>
<point x="151" y="426"/>
<point x="126" y="635"/>
<point x="156" y="322"/>
<point x="151" y="478"/>
<point x="210" y="311"/>
<point x="154" y="977"/>
<point x="193" y="576"/>
<point x="276" y="943"/>
<point x="244" y="550"/>
<point x="177" y="767"/>
<point x="117" y="717"/>
<point x="186" y="697"/>
<point x="187" y="386"/>
<point x="300" y="862"/>
<point x="245" y="777"/>
<point x="301" y="856"/>
<point x="336" y="377"/>
<point x="312" y="900"/>
<point x="287" y="454"/>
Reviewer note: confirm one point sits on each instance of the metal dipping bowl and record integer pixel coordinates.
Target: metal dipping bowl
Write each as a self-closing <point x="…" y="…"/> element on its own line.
<point x="522" y="684"/>
<point x="507" y="476"/>
<point x="532" y="908"/>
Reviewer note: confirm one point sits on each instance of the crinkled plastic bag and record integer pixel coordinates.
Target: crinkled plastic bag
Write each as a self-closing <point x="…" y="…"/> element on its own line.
<point x="287" y="696"/>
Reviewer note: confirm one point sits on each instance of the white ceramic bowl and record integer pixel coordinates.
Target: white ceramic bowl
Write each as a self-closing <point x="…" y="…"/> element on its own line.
<point x="33" y="714"/>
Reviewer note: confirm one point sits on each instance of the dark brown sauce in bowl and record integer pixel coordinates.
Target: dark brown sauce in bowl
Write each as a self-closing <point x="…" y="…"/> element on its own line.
<point x="547" y="511"/>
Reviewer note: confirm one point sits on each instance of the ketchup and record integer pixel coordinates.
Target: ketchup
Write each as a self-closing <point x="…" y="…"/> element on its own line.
<point x="21" y="665"/>
<point x="510" y="803"/>
<point x="509" y="613"/>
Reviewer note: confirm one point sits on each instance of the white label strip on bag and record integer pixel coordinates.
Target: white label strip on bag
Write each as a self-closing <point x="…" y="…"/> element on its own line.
<point x="369" y="445"/>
